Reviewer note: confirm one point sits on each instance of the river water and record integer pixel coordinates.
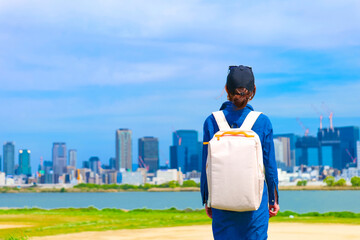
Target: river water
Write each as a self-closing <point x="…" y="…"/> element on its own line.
<point x="297" y="201"/>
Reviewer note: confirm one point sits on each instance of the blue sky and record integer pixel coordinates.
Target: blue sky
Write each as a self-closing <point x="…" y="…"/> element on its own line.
<point x="77" y="71"/>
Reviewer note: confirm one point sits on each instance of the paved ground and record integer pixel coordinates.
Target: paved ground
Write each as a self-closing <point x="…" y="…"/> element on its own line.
<point x="277" y="231"/>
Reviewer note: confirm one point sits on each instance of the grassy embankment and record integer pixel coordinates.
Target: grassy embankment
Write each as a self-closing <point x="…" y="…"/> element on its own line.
<point x="318" y="188"/>
<point x="40" y="222"/>
<point x="188" y="186"/>
<point x="193" y="187"/>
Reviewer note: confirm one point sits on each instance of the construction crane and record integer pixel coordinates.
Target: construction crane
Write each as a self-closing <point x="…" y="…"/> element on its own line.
<point x="142" y="163"/>
<point x="178" y="137"/>
<point x="319" y="113"/>
<point x="303" y="126"/>
<point x="330" y="115"/>
<point x="352" y="158"/>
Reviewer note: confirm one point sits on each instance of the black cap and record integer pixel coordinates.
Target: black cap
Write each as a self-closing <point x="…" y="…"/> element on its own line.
<point x="240" y="76"/>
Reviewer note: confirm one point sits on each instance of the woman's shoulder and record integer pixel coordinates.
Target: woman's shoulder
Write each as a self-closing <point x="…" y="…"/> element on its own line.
<point x="264" y="118"/>
<point x="210" y="127"/>
<point x="209" y="121"/>
<point x="263" y="122"/>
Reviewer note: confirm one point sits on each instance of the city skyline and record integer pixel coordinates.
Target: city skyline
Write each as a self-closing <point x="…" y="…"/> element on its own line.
<point x="73" y="75"/>
<point x="181" y="137"/>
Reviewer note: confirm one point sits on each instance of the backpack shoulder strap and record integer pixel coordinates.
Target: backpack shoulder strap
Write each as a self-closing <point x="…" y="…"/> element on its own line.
<point x="221" y="121"/>
<point x="250" y="120"/>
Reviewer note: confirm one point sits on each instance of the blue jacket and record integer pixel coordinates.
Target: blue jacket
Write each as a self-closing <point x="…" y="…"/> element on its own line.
<point x="243" y="225"/>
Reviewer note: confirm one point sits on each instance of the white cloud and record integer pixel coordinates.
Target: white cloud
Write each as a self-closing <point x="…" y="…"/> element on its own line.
<point x="190" y="42"/>
<point x="299" y="24"/>
<point x="66" y="72"/>
<point x="41" y="42"/>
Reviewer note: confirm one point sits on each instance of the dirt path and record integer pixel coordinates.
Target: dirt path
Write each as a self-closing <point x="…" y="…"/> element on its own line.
<point x="5" y="226"/>
<point x="302" y="231"/>
<point x="277" y="231"/>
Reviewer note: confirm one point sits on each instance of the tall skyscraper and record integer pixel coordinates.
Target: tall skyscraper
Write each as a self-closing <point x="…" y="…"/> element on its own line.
<point x="186" y="151"/>
<point x="283" y="153"/>
<point x="279" y="156"/>
<point x="293" y="138"/>
<point x="123" y="149"/>
<point x="358" y="154"/>
<point x="47" y="176"/>
<point x="95" y="164"/>
<point x="112" y="162"/>
<point x="24" y="162"/>
<point x="339" y="143"/>
<point x="59" y="160"/>
<point x="149" y="153"/>
<point x="9" y="158"/>
<point x="86" y="164"/>
<point x="72" y="157"/>
<point x="178" y="157"/>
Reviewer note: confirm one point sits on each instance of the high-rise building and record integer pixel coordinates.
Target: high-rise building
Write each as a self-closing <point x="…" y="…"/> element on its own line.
<point x="186" y="151"/>
<point x="149" y="153"/>
<point x="9" y="158"/>
<point x="94" y="163"/>
<point x="339" y="143"/>
<point x="0" y="163"/>
<point x="123" y="149"/>
<point x="307" y="151"/>
<point x="335" y="147"/>
<point x="178" y="157"/>
<point x="292" y="138"/>
<point x="24" y="162"/>
<point x="327" y="155"/>
<point x="47" y="176"/>
<point x="279" y="156"/>
<point x="72" y="157"/>
<point x="86" y="164"/>
<point x="285" y="151"/>
<point x="59" y="160"/>
<point x="112" y="162"/>
<point x="358" y="154"/>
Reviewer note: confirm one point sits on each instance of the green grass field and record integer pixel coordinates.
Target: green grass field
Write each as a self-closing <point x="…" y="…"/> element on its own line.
<point x="42" y="222"/>
<point x="188" y="186"/>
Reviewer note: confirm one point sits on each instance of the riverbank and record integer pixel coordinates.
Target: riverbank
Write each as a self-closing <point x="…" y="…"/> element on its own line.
<point x="78" y="190"/>
<point x="155" y="189"/>
<point x="278" y="231"/>
<point x="39" y="222"/>
<point x="317" y="188"/>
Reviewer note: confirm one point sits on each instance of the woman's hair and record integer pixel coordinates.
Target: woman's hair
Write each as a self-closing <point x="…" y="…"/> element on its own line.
<point x="241" y="96"/>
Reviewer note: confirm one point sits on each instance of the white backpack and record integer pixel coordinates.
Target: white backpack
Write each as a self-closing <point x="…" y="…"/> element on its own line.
<point x="234" y="167"/>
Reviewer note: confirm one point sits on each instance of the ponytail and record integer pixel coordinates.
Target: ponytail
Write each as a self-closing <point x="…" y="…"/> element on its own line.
<point x="241" y="96"/>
